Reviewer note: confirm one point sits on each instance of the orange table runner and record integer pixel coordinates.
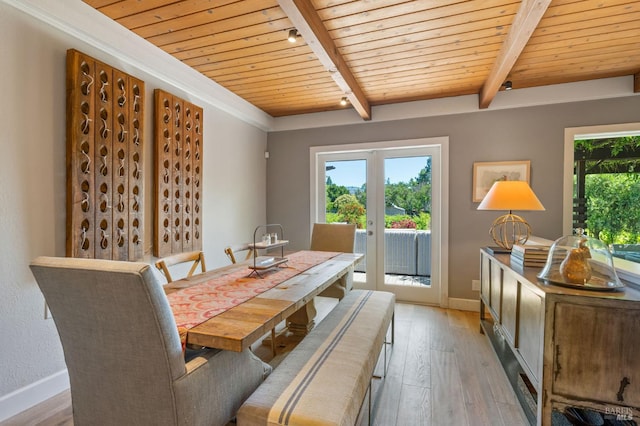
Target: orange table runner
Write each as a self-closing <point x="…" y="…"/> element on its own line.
<point x="194" y="305"/>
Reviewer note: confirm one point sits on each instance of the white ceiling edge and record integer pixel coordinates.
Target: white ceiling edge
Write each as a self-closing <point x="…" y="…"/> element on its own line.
<point x="517" y="98"/>
<point x="83" y="22"/>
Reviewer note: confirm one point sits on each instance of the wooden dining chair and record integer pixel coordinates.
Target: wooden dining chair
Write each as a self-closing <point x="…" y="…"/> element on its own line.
<point x="231" y="251"/>
<point x="197" y="257"/>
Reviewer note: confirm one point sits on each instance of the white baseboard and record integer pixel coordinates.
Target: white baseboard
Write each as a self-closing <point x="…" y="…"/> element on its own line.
<point x="464" y="304"/>
<point x="24" y="398"/>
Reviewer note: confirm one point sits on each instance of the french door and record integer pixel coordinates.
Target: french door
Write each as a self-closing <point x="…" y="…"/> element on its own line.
<point x="394" y="193"/>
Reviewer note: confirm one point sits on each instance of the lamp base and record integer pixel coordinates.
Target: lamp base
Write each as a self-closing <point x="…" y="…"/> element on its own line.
<point x="508" y="230"/>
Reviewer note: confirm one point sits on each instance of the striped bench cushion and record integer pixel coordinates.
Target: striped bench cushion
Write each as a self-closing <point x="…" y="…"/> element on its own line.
<point x="324" y="380"/>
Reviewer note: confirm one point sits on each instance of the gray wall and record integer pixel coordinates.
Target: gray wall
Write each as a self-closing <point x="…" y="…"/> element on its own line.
<point x="532" y="133"/>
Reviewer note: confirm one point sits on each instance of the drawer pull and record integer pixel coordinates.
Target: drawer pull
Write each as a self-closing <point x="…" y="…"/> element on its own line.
<point x="623" y="384"/>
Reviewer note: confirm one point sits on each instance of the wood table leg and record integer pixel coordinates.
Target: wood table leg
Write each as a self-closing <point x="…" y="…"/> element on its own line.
<point x="299" y="324"/>
<point x="340" y="288"/>
<point x="302" y="321"/>
<point x="273" y="342"/>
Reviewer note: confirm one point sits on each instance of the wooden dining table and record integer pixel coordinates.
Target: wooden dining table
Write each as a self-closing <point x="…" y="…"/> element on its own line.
<point x="237" y="328"/>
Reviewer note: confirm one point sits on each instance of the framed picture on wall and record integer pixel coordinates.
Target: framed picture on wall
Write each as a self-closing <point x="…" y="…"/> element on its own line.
<point x="486" y="173"/>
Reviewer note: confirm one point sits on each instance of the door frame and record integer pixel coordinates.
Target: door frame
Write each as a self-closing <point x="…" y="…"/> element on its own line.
<point x="442" y="143"/>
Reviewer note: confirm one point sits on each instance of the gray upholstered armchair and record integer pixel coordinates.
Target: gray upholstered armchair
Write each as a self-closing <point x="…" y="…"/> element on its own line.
<point x="123" y="351"/>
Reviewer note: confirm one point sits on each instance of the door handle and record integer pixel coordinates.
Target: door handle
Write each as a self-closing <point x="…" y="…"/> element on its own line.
<point x="369" y="232"/>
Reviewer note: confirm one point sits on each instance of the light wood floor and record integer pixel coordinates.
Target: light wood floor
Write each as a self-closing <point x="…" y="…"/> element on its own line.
<point x="442" y="371"/>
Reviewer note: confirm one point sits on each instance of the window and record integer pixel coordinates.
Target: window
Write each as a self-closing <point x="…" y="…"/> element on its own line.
<point x="606" y="199"/>
<point x="627" y="270"/>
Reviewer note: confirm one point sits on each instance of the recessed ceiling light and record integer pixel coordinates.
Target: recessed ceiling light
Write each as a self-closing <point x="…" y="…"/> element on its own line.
<point x="293" y="36"/>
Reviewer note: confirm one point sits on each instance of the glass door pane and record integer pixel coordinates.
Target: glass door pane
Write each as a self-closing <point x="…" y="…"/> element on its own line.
<point x="407" y="213"/>
<point x="345" y="191"/>
<point x="408" y="238"/>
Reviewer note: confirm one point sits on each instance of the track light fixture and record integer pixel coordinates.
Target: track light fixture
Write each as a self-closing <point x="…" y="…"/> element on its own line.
<point x="293" y="35"/>
<point x="343" y="101"/>
<point x="508" y="85"/>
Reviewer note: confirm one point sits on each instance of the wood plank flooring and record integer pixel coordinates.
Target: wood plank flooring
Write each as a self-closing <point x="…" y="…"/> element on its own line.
<point x="441" y="371"/>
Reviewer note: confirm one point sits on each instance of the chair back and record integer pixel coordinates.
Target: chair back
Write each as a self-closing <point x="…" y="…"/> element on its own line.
<point x="119" y="338"/>
<point x="333" y="237"/>
<point x="197" y="257"/>
<point x="231" y="251"/>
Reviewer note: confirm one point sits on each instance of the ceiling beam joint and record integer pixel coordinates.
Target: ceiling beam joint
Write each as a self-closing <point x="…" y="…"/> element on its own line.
<point x="524" y="23"/>
<point x="305" y="18"/>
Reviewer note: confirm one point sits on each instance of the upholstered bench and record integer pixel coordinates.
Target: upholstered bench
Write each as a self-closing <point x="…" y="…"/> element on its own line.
<point x="324" y="380"/>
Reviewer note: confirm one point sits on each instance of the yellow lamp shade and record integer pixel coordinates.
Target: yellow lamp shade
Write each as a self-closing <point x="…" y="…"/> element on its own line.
<point x="510" y="195"/>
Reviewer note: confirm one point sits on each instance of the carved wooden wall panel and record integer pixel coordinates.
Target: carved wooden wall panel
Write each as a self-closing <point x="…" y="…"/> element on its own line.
<point x="104" y="161"/>
<point x="178" y="175"/>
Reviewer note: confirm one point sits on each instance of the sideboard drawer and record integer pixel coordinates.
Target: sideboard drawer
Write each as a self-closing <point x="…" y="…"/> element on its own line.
<point x="596" y="353"/>
<point x="485" y="279"/>
<point x="509" y="306"/>
<point x="530" y="331"/>
<point x="496" y="291"/>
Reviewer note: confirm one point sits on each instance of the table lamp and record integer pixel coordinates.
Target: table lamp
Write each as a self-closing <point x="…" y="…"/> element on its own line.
<point x="510" y="229"/>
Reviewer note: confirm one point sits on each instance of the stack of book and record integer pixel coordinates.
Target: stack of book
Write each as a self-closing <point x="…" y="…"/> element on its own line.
<point x="534" y="255"/>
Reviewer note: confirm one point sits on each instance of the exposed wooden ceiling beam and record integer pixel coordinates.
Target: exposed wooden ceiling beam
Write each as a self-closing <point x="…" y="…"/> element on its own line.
<point x="524" y="23"/>
<point x="636" y="83"/>
<point x="309" y="24"/>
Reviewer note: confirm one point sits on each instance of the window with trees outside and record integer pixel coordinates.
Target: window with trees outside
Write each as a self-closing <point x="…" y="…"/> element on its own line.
<point x="407" y="204"/>
<point x="607" y="193"/>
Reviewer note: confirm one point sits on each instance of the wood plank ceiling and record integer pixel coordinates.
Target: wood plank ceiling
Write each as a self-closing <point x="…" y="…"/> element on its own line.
<point x="378" y="52"/>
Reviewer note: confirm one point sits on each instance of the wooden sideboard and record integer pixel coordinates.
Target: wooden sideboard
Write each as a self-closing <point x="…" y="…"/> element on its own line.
<point x="562" y="347"/>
